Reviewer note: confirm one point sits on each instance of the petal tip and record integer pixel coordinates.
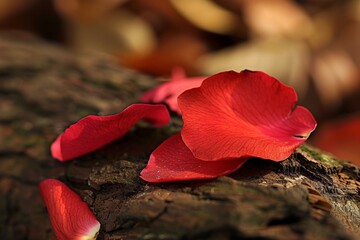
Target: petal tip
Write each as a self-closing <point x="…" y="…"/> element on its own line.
<point x="55" y="149"/>
<point x="70" y="217"/>
<point x="92" y="233"/>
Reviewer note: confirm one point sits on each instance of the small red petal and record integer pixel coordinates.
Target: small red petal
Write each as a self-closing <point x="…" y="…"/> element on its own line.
<point x="169" y="91"/>
<point x="70" y="217"/>
<point x="94" y="132"/>
<point x="173" y="161"/>
<point x="243" y="114"/>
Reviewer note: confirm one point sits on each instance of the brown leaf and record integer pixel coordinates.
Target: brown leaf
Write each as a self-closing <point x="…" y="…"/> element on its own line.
<point x="276" y="18"/>
<point x="269" y="55"/>
<point x="85" y="10"/>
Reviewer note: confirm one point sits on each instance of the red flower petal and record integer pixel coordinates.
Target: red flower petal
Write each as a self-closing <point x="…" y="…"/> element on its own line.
<point x="341" y="138"/>
<point x="70" y="217"/>
<point x="93" y="132"/>
<point x="173" y="161"/>
<point x="169" y="91"/>
<point x="243" y="114"/>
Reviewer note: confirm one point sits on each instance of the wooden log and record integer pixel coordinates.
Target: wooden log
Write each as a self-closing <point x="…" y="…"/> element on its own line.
<point x="44" y="88"/>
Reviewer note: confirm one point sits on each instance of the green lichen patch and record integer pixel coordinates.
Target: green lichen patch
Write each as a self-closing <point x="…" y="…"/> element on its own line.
<point x="316" y="155"/>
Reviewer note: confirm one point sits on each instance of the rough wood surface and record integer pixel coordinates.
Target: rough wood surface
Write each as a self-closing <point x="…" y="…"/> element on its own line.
<point x="44" y="88"/>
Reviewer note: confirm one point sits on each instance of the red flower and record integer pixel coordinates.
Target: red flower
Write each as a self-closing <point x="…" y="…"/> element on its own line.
<point x="170" y="91"/>
<point x="231" y="117"/>
<point x="243" y="114"/>
<point x="173" y="161"/>
<point x="93" y="132"/>
<point x="70" y="217"/>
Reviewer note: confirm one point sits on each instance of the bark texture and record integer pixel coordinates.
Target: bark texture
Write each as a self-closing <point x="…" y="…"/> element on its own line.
<point x="44" y="88"/>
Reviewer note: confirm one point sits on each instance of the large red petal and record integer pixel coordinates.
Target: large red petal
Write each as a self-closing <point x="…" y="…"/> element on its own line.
<point x="243" y="114"/>
<point x="169" y="92"/>
<point x="173" y="161"/>
<point x="93" y="132"/>
<point x="70" y="217"/>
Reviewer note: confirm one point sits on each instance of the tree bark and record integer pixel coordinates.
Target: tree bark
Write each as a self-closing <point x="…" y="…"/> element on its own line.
<point x="44" y="88"/>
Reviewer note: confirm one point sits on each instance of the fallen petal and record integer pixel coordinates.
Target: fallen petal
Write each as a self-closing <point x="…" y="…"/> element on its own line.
<point x="70" y="217"/>
<point x="173" y="161"/>
<point x="341" y="138"/>
<point x="94" y="132"/>
<point x="169" y="92"/>
<point x="243" y="114"/>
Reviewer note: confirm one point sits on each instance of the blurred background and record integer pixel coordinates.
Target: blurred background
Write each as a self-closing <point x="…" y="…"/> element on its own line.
<point x="312" y="45"/>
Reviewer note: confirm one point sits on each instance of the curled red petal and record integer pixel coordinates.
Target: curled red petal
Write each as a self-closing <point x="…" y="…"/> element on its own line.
<point x="70" y="217"/>
<point x="169" y="92"/>
<point x="93" y="132"/>
<point x="243" y="114"/>
<point x="173" y="161"/>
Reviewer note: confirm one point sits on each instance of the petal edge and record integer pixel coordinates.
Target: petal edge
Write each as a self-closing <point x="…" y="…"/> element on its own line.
<point x="173" y="161"/>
